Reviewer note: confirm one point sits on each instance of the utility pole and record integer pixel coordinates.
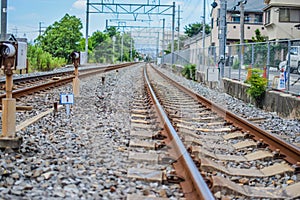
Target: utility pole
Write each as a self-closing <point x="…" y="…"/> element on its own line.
<point x="122" y="43"/>
<point x="113" y="54"/>
<point x="40" y="28"/>
<point x="163" y="41"/>
<point x="178" y="40"/>
<point x="130" y="47"/>
<point x="203" y="35"/>
<point x="87" y="28"/>
<point x="157" y="47"/>
<point x="222" y="36"/>
<point x="173" y="29"/>
<point x="3" y="19"/>
<point x="242" y="22"/>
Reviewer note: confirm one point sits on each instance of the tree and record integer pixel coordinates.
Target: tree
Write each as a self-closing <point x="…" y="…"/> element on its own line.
<point x="258" y="37"/>
<point x="61" y="38"/>
<point x="98" y="37"/>
<point x="194" y="29"/>
<point x="111" y="31"/>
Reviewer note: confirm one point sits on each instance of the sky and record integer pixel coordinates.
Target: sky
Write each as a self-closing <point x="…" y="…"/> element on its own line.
<point x="24" y="17"/>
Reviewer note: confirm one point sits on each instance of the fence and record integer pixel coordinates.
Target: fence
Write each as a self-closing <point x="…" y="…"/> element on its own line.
<point x="267" y="56"/>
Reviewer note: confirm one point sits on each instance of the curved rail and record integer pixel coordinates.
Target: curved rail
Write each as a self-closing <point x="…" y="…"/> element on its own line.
<point x="291" y="152"/>
<point x="193" y="172"/>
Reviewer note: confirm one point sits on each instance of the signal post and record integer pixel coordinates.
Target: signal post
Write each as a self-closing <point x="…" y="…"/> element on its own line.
<point x="75" y="56"/>
<point x="8" y="139"/>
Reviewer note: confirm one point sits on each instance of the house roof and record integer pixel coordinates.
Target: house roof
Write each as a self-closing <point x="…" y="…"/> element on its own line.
<point x="250" y="6"/>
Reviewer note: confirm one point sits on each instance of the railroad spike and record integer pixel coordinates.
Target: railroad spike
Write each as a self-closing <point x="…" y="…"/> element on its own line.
<point x="167" y="160"/>
<point x="173" y="178"/>
<point x="160" y="145"/>
<point x="208" y="180"/>
<point x="227" y="123"/>
<point x="297" y="168"/>
<point x="158" y="136"/>
<point x="277" y="154"/>
<point x="261" y="144"/>
<point x="248" y="135"/>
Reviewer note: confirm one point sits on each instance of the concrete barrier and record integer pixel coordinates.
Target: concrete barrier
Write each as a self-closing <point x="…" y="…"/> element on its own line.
<point x="285" y="105"/>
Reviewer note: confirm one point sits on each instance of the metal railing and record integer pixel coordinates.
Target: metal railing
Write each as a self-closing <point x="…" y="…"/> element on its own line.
<point x="268" y="56"/>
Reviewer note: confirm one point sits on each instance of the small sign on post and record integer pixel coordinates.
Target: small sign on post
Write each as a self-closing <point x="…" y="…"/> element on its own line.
<point x="212" y="74"/>
<point x="67" y="99"/>
<point x="281" y="82"/>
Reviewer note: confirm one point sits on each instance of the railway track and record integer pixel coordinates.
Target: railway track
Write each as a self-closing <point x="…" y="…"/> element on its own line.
<point x="27" y="85"/>
<point x="193" y="151"/>
<point x="236" y="158"/>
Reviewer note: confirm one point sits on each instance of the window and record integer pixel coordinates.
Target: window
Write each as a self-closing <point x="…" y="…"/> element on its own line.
<point x="246" y="18"/>
<point x="294" y="15"/>
<point x="289" y="15"/>
<point x="258" y="18"/>
<point x="284" y="14"/>
<point x="235" y="17"/>
<point x="268" y="16"/>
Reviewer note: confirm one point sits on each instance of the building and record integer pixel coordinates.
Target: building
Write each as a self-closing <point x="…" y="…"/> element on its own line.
<point x="282" y="19"/>
<point x="253" y="19"/>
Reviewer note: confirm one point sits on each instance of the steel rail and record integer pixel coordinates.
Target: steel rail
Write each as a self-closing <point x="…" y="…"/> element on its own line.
<point x="199" y="184"/>
<point x="54" y="83"/>
<point x="291" y="152"/>
<point x="58" y="73"/>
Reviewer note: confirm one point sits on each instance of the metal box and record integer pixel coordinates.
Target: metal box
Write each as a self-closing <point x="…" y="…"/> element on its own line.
<point x="22" y="55"/>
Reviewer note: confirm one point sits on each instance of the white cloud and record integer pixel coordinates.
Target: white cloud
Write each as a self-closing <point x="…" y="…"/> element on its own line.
<point x="80" y="4"/>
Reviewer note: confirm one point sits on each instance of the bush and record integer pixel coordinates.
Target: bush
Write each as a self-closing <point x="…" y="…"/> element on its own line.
<point x="258" y="85"/>
<point x="40" y="60"/>
<point x="189" y="71"/>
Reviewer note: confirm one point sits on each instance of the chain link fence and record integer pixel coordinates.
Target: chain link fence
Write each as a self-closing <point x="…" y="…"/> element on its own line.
<point x="272" y="57"/>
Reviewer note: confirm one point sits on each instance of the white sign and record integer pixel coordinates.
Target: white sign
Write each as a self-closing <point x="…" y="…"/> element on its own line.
<point x="281" y="82"/>
<point x="83" y="58"/>
<point x="67" y="99"/>
<point x="22" y="55"/>
<point x="212" y="74"/>
<point x="158" y="61"/>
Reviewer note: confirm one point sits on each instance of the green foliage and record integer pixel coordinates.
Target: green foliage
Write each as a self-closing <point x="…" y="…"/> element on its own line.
<point x="194" y="29"/>
<point x="97" y="38"/>
<point x="181" y="44"/>
<point x="40" y="60"/>
<point x="258" y="37"/>
<point x="189" y="71"/>
<point x="258" y="85"/>
<point x="61" y="38"/>
<point x="260" y="54"/>
<point x="103" y="49"/>
<point x="236" y="64"/>
<point x="111" y="31"/>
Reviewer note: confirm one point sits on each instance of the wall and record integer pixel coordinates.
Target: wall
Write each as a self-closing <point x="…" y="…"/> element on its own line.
<point x="285" y="105"/>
